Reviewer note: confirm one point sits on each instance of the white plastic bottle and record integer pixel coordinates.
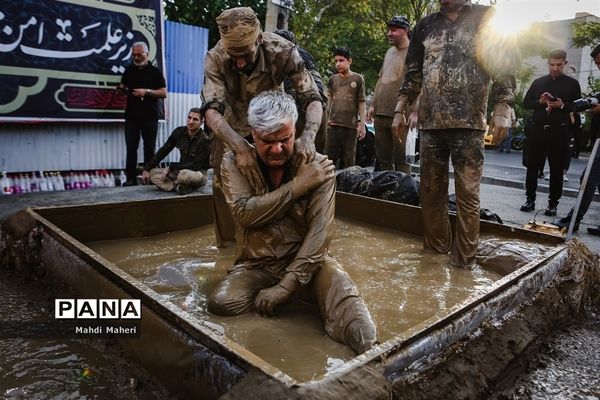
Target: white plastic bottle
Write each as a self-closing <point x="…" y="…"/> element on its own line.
<point x="49" y="182"/>
<point x="42" y="182"/>
<point x="34" y="183"/>
<point x="5" y="184"/>
<point x="122" y="178"/>
<point x="60" y="181"/>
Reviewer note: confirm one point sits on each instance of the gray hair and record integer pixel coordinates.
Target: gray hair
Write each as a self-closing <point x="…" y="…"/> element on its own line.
<point x="269" y="111"/>
<point x="143" y="45"/>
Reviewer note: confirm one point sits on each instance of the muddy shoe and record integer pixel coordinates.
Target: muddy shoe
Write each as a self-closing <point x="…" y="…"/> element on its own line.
<point x="528" y="206"/>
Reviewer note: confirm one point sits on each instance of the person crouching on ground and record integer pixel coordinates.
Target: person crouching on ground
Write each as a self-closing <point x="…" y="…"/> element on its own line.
<point x="194" y="148"/>
<point x="284" y="225"/>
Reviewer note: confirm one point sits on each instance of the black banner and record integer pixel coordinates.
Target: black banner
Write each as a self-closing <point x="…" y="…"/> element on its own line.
<point x="61" y="59"/>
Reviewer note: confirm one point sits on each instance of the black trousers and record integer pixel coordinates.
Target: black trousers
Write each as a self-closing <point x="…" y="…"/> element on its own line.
<point x="551" y="141"/>
<point x="147" y="129"/>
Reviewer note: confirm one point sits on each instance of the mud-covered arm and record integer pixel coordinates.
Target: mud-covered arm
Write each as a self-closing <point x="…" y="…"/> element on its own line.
<point x="413" y="80"/>
<point x="308" y="98"/>
<point x="319" y="217"/>
<point x="252" y="205"/>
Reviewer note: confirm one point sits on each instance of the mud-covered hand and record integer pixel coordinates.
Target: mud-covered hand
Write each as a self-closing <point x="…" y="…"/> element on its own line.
<point x="245" y="157"/>
<point x="268" y="298"/>
<point x="370" y="112"/>
<point x="500" y="122"/>
<point x="305" y="150"/>
<point x="400" y="122"/>
<point x="312" y="175"/>
<point x="361" y="131"/>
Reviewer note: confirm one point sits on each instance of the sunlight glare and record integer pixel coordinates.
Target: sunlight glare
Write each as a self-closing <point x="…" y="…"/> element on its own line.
<point x="512" y="17"/>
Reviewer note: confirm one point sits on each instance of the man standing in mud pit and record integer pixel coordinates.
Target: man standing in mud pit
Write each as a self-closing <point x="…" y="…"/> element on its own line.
<point x="284" y="227"/>
<point x="452" y="57"/>
<point x="391" y="154"/>
<point x="245" y="62"/>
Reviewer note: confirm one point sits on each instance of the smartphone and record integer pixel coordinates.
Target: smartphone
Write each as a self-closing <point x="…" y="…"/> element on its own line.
<point x="552" y="98"/>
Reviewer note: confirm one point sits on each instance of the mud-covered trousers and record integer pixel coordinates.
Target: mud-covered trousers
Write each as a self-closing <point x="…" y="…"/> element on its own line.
<point x="344" y="312"/>
<point x="390" y="153"/>
<point x="341" y="145"/>
<point x="465" y="148"/>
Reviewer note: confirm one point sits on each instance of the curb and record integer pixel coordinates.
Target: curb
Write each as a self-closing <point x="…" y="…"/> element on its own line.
<point x="488" y="180"/>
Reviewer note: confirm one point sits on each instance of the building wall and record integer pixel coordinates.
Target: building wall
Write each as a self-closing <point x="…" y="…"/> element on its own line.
<point x="559" y="35"/>
<point x="89" y="146"/>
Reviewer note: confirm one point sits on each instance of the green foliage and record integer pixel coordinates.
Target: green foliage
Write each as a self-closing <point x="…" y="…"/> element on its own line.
<point x="594" y="84"/>
<point x="319" y="25"/>
<point x="586" y="34"/>
<point x="322" y="25"/>
<point x="523" y="76"/>
<point x="204" y="13"/>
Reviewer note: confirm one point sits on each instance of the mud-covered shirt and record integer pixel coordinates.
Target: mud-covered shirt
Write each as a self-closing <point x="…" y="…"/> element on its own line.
<point x="391" y="77"/>
<point x="194" y="151"/>
<point x="345" y="93"/>
<point x="229" y="91"/>
<point x="443" y="65"/>
<point x="276" y="232"/>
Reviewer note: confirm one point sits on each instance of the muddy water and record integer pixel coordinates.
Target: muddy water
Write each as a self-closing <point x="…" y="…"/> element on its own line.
<point x="401" y="285"/>
<point x="59" y="368"/>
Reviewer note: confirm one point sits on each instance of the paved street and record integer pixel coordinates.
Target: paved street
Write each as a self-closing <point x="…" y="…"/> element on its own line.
<point x="503" y="192"/>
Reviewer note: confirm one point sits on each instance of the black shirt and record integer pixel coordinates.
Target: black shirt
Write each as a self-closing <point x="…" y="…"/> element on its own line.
<point x="146" y="77"/>
<point x="194" y="151"/>
<point x="563" y="87"/>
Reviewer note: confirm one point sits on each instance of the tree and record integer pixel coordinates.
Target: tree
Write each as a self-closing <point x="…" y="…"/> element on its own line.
<point x="322" y="25"/>
<point x="204" y="13"/>
<point x="588" y="34"/>
<point x="319" y="25"/>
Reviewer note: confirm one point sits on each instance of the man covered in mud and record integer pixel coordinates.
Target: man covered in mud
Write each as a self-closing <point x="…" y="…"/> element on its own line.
<point x="284" y="226"/>
<point x="451" y="60"/>
<point x="245" y="62"/>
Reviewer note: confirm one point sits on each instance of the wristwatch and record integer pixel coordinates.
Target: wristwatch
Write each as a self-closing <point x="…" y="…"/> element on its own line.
<point x="148" y="91"/>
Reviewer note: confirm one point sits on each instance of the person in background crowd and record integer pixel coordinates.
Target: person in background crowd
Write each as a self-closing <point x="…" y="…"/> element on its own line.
<point x="194" y="150"/>
<point x="550" y="97"/>
<point x="144" y="84"/>
<point x="506" y="143"/>
<point x="347" y="110"/>
<point x="593" y="182"/>
<point x="390" y="153"/>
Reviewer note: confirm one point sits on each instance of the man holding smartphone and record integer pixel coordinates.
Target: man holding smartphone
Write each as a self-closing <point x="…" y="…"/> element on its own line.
<point x="550" y="97"/>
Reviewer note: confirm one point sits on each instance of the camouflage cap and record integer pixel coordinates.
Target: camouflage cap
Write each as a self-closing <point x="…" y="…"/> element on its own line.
<point x="239" y="27"/>
<point x="400" y="21"/>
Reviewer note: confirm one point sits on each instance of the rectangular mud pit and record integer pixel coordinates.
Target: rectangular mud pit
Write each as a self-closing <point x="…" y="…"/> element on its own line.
<point x="163" y="252"/>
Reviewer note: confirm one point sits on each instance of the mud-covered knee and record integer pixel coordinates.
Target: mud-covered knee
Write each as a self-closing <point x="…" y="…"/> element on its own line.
<point x="222" y="303"/>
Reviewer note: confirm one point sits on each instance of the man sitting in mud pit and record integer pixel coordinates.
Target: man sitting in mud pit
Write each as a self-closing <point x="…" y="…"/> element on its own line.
<point x="284" y="226"/>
